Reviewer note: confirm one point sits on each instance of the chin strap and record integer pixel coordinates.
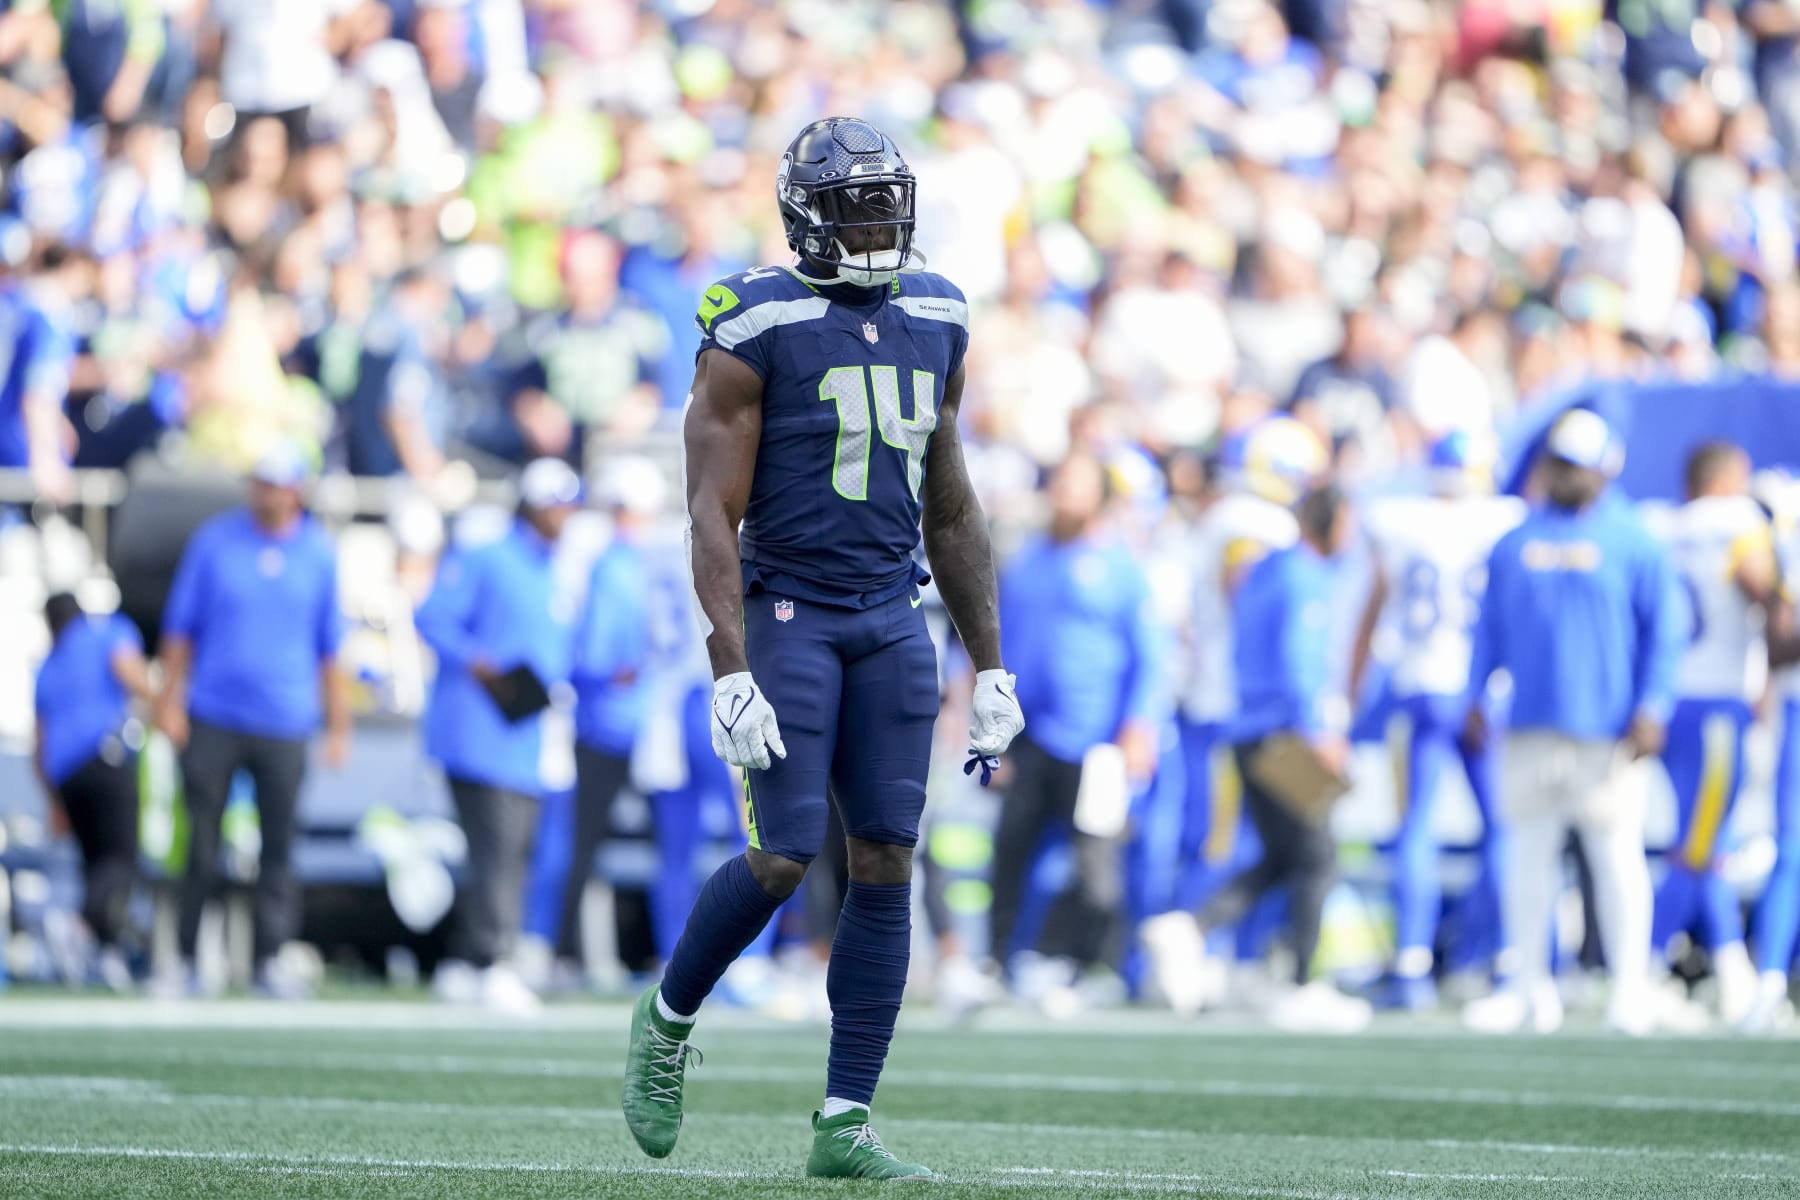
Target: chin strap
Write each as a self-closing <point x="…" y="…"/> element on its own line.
<point x="914" y="265"/>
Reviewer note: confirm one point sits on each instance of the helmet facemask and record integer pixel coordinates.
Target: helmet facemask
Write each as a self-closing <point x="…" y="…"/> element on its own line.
<point x="863" y="227"/>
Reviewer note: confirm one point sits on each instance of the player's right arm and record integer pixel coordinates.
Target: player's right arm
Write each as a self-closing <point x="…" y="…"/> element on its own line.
<point x="720" y="436"/>
<point x="1363" y="649"/>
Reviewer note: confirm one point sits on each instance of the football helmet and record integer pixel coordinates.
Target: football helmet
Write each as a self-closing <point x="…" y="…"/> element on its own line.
<point x="846" y="197"/>
<point x="1278" y="459"/>
<point x="1462" y="463"/>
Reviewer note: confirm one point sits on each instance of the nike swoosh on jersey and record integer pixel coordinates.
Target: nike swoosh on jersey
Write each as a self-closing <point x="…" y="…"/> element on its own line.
<point x="915" y="601"/>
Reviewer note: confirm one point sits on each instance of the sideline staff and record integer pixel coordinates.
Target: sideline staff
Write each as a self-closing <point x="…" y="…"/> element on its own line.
<point x="249" y="652"/>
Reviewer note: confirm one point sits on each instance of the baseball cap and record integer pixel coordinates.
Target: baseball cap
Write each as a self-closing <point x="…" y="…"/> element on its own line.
<point x="1581" y="437"/>
<point x="633" y="483"/>
<point x="549" y="483"/>
<point x="283" y="465"/>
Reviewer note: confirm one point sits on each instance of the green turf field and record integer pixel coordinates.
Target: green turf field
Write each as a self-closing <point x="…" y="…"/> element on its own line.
<point x="370" y="1100"/>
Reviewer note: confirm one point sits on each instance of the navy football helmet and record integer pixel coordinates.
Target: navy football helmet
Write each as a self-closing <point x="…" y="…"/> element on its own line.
<point x="846" y="198"/>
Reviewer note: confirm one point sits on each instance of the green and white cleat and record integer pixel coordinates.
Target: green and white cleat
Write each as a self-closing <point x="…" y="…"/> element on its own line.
<point x="654" y="1067"/>
<point x="844" y="1147"/>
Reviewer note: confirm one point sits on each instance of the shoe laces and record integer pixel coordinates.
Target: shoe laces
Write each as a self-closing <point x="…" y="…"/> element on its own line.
<point x="864" y="1137"/>
<point x="668" y="1061"/>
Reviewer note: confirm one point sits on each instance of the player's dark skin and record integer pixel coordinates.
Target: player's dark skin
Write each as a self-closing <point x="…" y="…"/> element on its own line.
<point x="722" y="432"/>
<point x="1574" y="488"/>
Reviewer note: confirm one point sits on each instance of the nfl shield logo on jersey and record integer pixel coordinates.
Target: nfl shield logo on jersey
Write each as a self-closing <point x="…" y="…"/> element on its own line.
<point x="784" y="610"/>
<point x="870" y="332"/>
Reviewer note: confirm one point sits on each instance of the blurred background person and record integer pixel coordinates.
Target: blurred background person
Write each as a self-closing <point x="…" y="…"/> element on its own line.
<point x="1723" y="553"/>
<point x="1261" y="473"/>
<point x="1777" y="918"/>
<point x="1081" y="636"/>
<point x="501" y="641"/>
<point x="86" y="759"/>
<point x="249" y="648"/>
<point x="1281" y="619"/>
<point x="1430" y="566"/>
<point x="610" y="669"/>
<point x="396" y="414"/>
<point x="37" y="320"/>
<point x="1581" y="610"/>
<point x="590" y="369"/>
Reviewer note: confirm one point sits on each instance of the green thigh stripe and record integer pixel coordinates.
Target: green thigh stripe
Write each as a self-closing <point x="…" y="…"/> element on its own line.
<point x="750" y="814"/>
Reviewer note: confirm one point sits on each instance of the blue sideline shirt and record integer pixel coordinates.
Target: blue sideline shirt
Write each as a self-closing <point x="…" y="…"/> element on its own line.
<point x="612" y="649"/>
<point x="80" y="701"/>
<point x="493" y="602"/>
<point x="1076" y="629"/>
<point x="1281" y="619"/>
<point x="261" y="610"/>
<point x="1581" y="609"/>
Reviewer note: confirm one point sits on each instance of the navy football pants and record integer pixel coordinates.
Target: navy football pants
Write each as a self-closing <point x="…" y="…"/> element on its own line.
<point x="856" y="695"/>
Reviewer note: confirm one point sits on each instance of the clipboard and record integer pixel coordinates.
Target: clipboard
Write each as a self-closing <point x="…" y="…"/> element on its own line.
<point x="1288" y="768"/>
<point x="1103" y="797"/>
<point x="518" y="693"/>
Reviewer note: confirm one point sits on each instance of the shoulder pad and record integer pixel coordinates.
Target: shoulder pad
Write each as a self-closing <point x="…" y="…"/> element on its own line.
<point x="742" y="307"/>
<point x="931" y="297"/>
<point x="747" y="289"/>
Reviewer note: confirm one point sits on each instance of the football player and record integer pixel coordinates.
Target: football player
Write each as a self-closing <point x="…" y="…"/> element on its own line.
<point x="1723" y="551"/>
<point x="1263" y="472"/>
<point x="1430" y="567"/>
<point x="821" y="431"/>
<point x="1778" y="912"/>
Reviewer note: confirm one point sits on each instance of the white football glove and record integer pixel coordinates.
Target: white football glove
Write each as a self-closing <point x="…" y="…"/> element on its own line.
<point x="743" y="725"/>
<point x="995" y="719"/>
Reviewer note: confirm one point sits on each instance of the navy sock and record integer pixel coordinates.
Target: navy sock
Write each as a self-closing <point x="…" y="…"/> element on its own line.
<point x="865" y="979"/>
<point x="731" y="911"/>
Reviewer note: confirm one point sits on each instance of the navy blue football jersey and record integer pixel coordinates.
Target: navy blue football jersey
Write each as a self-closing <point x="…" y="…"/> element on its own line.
<point x="850" y="399"/>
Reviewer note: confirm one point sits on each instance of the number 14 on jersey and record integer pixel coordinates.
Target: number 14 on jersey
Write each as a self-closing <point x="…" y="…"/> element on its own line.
<point x="851" y="389"/>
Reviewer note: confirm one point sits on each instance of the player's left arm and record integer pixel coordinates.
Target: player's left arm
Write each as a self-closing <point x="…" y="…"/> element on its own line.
<point x="1782" y="634"/>
<point x="1756" y="572"/>
<point x="956" y="537"/>
<point x="1754" y="568"/>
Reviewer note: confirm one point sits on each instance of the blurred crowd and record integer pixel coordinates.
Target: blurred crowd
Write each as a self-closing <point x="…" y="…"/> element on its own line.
<point x="405" y="231"/>
<point x="417" y="236"/>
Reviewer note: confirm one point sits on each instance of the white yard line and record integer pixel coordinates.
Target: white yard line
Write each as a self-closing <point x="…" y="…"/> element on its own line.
<point x="1158" y="1179"/>
<point x="1036" y="1177"/>
<point x="424" y="1017"/>
<point x="455" y="1064"/>
<point x="153" y="1095"/>
<point x="1762" y="1156"/>
<point x="1443" y="1052"/>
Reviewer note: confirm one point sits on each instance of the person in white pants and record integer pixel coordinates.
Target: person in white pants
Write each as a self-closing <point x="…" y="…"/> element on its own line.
<point x="1581" y="609"/>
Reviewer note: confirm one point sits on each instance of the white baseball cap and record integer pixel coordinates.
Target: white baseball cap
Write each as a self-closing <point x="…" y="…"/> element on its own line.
<point x="549" y="483"/>
<point x="633" y="483"/>
<point x="1582" y="437"/>
<point x="284" y="464"/>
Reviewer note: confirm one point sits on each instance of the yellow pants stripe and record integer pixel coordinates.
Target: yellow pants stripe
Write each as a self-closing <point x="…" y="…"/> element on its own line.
<point x="1718" y="767"/>
<point x="1227" y="806"/>
<point x="1399" y="742"/>
<point x="749" y="803"/>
